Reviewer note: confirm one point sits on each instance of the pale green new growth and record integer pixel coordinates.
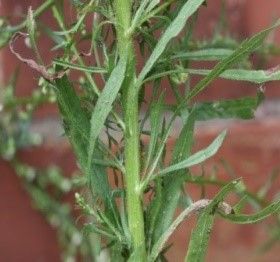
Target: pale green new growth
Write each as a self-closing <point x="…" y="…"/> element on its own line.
<point x="196" y="158"/>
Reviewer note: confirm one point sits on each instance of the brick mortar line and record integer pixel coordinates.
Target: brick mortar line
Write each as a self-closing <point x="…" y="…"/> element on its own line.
<point x="268" y="114"/>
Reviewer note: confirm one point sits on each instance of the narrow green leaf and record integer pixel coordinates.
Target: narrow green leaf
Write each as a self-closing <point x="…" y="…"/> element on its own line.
<point x="70" y="107"/>
<point x="155" y="128"/>
<point x="196" y="158"/>
<point x="88" y="69"/>
<point x="108" y="163"/>
<point x="244" y="49"/>
<point x="76" y="125"/>
<point x="139" y="13"/>
<point x="172" y="31"/>
<point x="104" y="105"/>
<point x="158" y="153"/>
<point x="209" y="205"/>
<point x="92" y="227"/>
<point x="159" y="245"/>
<point x="184" y="142"/>
<point x="242" y="108"/>
<point x="211" y="54"/>
<point x="253" y="76"/>
<point x="124" y="222"/>
<point x="201" y="234"/>
<point x="152" y="5"/>
<point x="167" y="197"/>
<point x="200" y="237"/>
<point x="250" y="219"/>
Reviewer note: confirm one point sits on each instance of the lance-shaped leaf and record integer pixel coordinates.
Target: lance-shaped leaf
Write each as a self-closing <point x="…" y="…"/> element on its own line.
<point x="253" y="76"/>
<point x="273" y="208"/>
<point x="167" y="197"/>
<point x="200" y="237"/>
<point x="211" y="54"/>
<point x="81" y="68"/>
<point x="242" y="108"/>
<point x="69" y="104"/>
<point x="159" y="245"/>
<point x="240" y="53"/>
<point x="172" y="31"/>
<point x="201" y="234"/>
<point x="155" y="128"/>
<point x="139" y="13"/>
<point x="76" y="126"/>
<point x="196" y="158"/>
<point x="104" y="105"/>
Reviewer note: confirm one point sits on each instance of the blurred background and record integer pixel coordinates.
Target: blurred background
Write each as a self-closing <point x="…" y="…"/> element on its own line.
<point x="35" y="228"/>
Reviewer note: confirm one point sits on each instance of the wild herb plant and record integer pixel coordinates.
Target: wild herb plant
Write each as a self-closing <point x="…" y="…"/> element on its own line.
<point x="120" y="134"/>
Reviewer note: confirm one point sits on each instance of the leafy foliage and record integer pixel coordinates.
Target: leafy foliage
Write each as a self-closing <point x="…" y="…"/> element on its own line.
<point x="100" y="115"/>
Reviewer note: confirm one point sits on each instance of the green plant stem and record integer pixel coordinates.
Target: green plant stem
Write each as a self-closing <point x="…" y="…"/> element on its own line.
<point x="132" y="147"/>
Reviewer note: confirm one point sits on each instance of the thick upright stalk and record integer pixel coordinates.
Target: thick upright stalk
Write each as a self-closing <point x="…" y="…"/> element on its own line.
<point x="130" y="101"/>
